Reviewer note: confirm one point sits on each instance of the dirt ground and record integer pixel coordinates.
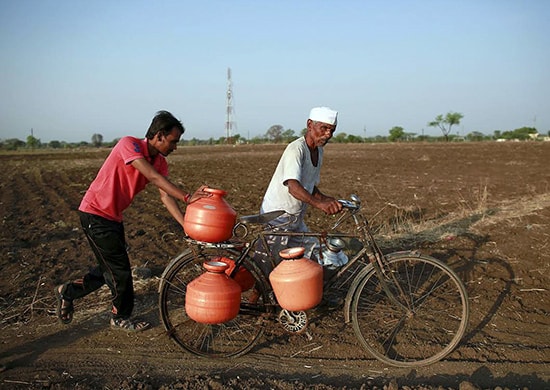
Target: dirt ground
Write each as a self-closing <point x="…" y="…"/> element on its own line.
<point x="484" y="208"/>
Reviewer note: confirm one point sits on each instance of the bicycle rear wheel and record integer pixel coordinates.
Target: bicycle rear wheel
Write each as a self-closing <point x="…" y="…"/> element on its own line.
<point x="229" y="339"/>
<point x="422" y="319"/>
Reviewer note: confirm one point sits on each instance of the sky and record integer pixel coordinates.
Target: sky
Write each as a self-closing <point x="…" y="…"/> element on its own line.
<point x="70" y="69"/>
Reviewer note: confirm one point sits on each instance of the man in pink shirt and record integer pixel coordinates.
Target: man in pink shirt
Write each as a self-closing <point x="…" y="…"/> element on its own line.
<point x="132" y="164"/>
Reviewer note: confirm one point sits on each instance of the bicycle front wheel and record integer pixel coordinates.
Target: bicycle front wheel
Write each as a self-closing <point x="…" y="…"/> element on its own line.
<point x="415" y="316"/>
<point x="229" y="339"/>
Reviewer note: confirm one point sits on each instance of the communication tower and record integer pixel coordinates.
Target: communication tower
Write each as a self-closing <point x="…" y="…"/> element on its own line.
<point x="230" y="124"/>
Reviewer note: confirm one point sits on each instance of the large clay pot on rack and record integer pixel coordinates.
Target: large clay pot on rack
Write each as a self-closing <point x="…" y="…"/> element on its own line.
<point x="297" y="281"/>
<point x="213" y="297"/>
<point x="210" y="219"/>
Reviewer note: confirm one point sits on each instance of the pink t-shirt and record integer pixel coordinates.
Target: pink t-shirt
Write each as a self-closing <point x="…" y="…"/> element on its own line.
<point x="118" y="182"/>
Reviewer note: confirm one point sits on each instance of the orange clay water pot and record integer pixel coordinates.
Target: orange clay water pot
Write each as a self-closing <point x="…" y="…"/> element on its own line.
<point x="243" y="276"/>
<point x="210" y="219"/>
<point x="297" y="281"/>
<point x="213" y="297"/>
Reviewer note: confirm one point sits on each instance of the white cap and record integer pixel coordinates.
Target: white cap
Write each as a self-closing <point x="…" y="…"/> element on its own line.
<point x="324" y="114"/>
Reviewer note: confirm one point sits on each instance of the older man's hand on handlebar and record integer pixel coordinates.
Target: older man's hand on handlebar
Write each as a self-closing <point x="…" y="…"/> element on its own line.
<point x="329" y="205"/>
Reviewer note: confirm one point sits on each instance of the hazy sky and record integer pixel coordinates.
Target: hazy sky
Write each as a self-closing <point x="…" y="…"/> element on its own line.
<point x="69" y="69"/>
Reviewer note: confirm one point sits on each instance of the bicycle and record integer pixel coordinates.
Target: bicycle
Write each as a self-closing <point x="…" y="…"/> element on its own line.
<point x="406" y="309"/>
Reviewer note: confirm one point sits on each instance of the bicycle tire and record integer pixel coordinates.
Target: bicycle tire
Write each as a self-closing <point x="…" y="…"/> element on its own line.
<point x="428" y="322"/>
<point x="230" y="339"/>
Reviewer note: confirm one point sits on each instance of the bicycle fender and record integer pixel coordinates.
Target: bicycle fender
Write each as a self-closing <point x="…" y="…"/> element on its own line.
<point x="413" y="253"/>
<point x="174" y="260"/>
<point x="410" y="253"/>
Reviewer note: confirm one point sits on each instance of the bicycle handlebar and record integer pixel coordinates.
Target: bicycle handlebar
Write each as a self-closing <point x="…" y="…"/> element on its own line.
<point x="348" y="204"/>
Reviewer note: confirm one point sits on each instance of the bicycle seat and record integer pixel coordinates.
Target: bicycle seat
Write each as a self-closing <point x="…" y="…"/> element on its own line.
<point x="261" y="218"/>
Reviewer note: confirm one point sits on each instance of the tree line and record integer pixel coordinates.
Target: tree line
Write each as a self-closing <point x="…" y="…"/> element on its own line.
<point x="278" y="134"/>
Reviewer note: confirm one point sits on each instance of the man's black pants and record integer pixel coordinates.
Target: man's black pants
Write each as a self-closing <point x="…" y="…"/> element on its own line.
<point x="108" y="243"/>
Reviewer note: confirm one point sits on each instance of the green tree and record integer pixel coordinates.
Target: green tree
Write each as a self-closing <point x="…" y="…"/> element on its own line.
<point x="396" y="134"/>
<point x="237" y="139"/>
<point x="522" y="133"/>
<point x="33" y="142"/>
<point x="340" y="138"/>
<point x="97" y="140"/>
<point x="11" y="144"/>
<point x="446" y="123"/>
<point x="258" y="140"/>
<point x="288" y="135"/>
<point x="54" y="144"/>
<point x="354" y="139"/>
<point x="274" y="133"/>
<point x="409" y="136"/>
<point x="475" y="136"/>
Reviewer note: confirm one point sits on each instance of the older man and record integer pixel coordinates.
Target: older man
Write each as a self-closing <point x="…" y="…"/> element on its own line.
<point x="294" y="184"/>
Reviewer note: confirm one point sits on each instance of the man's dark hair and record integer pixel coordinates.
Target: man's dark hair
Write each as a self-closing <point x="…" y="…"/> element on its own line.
<point x="164" y="122"/>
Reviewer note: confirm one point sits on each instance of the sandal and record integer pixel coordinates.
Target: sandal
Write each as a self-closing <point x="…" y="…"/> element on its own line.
<point x="65" y="308"/>
<point x="128" y="325"/>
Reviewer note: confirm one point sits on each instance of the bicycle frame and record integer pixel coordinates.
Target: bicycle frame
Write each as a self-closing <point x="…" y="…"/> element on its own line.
<point x="370" y="250"/>
<point x="389" y="298"/>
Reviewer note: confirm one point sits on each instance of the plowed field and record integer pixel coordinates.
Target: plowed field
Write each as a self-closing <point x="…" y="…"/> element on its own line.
<point x="483" y="208"/>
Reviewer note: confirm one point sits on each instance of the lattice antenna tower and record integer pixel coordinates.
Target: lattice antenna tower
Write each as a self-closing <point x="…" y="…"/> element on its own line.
<point x="230" y="111"/>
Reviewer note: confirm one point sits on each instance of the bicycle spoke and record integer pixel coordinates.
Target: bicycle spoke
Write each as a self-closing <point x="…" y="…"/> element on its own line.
<point x="232" y="338"/>
<point x="431" y="327"/>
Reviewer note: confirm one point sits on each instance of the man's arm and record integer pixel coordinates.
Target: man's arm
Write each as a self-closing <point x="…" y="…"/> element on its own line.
<point x="172" y="206"/>
<point x="169" y="192"/>
<point x="158" y="180"/>
<point x="318" y="200"/>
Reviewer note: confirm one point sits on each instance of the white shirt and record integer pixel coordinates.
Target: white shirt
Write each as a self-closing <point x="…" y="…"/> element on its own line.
<point x="295" y="163"/>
